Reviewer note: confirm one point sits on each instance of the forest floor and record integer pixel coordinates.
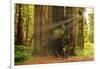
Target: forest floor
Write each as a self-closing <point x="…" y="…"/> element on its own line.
<point x="51" y="59"/>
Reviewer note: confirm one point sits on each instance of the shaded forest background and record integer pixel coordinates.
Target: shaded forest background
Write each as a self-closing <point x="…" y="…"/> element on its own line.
<point x="42" y="30"/>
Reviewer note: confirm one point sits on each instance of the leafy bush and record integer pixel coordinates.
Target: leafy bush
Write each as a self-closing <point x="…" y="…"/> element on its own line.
<point x="87" y="51"/>
<point x="21" y="54"/>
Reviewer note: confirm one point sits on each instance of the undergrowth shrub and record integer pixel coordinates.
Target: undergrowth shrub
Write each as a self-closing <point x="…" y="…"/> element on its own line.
<point x="21" y="54"/>
<point x="88" y="50"/>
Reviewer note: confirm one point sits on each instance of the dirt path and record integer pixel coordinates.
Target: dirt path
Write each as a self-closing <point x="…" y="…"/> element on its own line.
<point x="50" y="59"/>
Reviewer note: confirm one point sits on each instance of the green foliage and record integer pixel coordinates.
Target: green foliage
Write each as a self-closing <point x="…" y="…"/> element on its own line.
<point x="87" y="51"/>
<point x="58" y="33"/>
<point x="85" y="33"/>
<point x="21" y="54"/>
<point x="91" y="30"/>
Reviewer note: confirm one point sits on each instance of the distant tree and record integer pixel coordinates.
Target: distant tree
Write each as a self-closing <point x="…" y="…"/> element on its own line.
<point x="91" y="29"/>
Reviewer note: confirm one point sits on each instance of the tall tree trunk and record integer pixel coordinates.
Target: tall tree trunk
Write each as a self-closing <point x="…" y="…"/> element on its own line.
<point x="75" y="29"/>
<point x="37" y="17"/>
<point x="20" y="26"/>
<point x="57" y="15"/>
<point x="81" y="26"/>
<point x="71" y="32"/>
<point x="41" y="29"/>
<point x="27" y="26"/>
<point x="16" y="22"/>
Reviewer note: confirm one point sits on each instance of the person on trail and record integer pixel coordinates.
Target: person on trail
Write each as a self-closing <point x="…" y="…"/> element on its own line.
<point x="65" y="39"/>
